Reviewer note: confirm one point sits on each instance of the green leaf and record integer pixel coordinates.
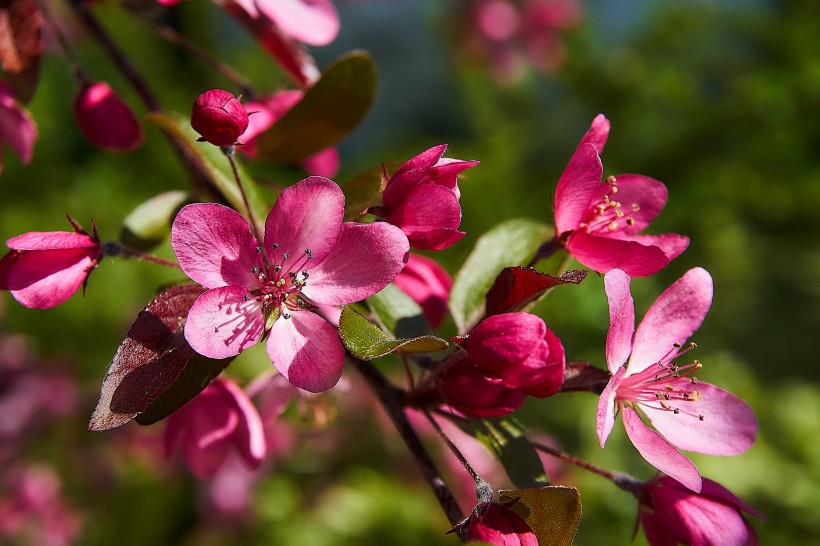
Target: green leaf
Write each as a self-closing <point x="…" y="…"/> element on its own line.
<point x="367" y="341"/>
<point x="148" y="224"/>
<point x="364" y="190"/>
<point x="510" y="243"/>
<point x="398" y="313"/>
<point x="329" y="110"/>
<point x="553" y="513"/>
<point x="505" y="438"/>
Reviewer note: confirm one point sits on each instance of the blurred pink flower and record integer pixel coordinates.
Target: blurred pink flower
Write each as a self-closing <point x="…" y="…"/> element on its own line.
<point x="671" y="514"/>
<point x="428" y="284"/>
<point x="599" y="222"/>
<point x="313" y="22"/>
<point x="688" y="414"/>
<point x="104" y="119"/>
<point x="309" y="255"/>
<point x="17" y="128"/>
<point x="220" y="417"/>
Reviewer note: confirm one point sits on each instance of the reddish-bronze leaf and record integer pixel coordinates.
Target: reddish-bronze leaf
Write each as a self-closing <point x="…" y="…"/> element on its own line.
<point x="581" y="376"/>
<point x="516" y="287"/>
<point x="20" y="45"/>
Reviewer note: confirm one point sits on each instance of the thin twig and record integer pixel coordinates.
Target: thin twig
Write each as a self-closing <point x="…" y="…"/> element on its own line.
<point x="229" y="153"/>
<point x="115" y="249"/>
<point x="624" y="481"/>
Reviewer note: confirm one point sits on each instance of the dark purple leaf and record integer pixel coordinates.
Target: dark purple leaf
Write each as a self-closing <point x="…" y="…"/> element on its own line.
<point x="516" y="287"/>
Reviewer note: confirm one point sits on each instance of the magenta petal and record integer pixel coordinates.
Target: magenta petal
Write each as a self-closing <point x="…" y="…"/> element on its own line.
<point x="51" y="240"/>
<point x="716" y="491"/>
<point x="42" y="279"/>
<point x="249" y="437"/>
<point x="606" y="407"/>
<point x="366" y="258"/>
<point x="671" y="244"/>
<point x="597" y="134"/>
<point x="313" y="22"/>
<point x="436" y="239"/>
<point x="17" y="127"/>
<point x="621" y="319"/>
<point x="410" y="174"/>
<point x="307" y="351"/>
<point x="729" y="425"/>
<point x="603" y="254"/>
<point x="214" y="245"/>
<point x="426" y="207"/>
<point x="660" y="453"/>
<point x="221" y="323"/>
<point x="503" y="340"/>
<point x="322" y="163"/>
<point x="445" y="172"/>
<point x="673" y="318"/>
<point x="428" y="284"/>
<point x="636" y="191"/>
<point x="577" y="186"/>
<point x="306" y="216"/>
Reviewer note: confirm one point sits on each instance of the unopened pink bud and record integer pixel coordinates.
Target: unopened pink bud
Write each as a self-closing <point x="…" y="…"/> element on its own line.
<point x="219" y="117"/>
<point x="105" y="120"/>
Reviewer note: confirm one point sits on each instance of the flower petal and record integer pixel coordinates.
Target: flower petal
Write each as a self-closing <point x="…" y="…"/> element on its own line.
<point x="426" y="207"/>
<point x="306" y="216"/>
<point x="214" y="245"/>
<point x="51" y="240"/>
<point x="597" y="134"/>
<point x="249" y="437"/>
<point x="660" y="453"/>
<point x="307" y="351"/>
<point x="577" y="186"/>
<point x="621" y="319"/>
<point x="501" y="341"/>
<point x="606" y="407"/>
<point x="603" y="254"/>
<point x="42" y="279"/>
<point x="366" y="259"/>
<point x="673" y="318"/>
<point x="410" y="174"/>
<point x="221" y="323"/>
<point x="428" y="284"/>
<point x="445" y="172"/>
<point x="313" y="22"/>
<point x="716" y="491"/>
<point x="729" y="425"/>
<point x="642" y="198"/>
<point x="672" y="244"/>
<point x="436" y="239"/>
<point x="322" y="163"/>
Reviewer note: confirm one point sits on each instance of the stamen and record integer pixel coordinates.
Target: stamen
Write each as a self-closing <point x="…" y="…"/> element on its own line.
<point x="259" y="249"/>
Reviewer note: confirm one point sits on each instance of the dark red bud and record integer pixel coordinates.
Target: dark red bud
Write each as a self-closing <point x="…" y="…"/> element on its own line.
<point x="219" y="117"/>
<point x="105" y="120"/>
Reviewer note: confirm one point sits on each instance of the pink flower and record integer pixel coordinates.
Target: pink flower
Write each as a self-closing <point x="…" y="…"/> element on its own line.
<point x="422" y="199"/>
<point x="599" y="222"/>
<point x="671" y="514"/>
<point x="313" y="22"/>
<point x="686" y="413"/>
<point x="309" y="256"/>
<point x="219" y="417"/>
<point x="104" y="119"/>
<point x="17" y="128"/>
<point x="219" y="117"/>
<point x="266" y="112"/>
<point x="496" y="524"/>
<point x="468" y="391"/>
<point x="428" y="284"/>
<point x="44" y="269"/>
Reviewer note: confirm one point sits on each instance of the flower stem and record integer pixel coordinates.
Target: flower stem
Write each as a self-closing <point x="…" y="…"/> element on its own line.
<point x="115" y="249"/>
<point x="229" y="153"/>
<point x="547" y="249"/>
<point x="624" y="481"/>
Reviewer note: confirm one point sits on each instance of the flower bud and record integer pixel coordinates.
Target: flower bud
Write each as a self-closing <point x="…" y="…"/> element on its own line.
<point x="496" y="524"/>
<point x="219" y="117"/>
<point x="105" y="120"/>
<point x="469" y="392"/>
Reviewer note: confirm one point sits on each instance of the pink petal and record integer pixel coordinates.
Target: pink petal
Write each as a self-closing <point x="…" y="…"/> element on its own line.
<point x="547" y="375"/>
<point x="51" y="240"/>
<point x="671" y="244"/>
<point x="221" y="323"/>
<point x="366" y="258"/>
<point x="446" y="170"/>
<point x="17" y="127"/>
<point x="657" y="532"/>
<point x="621" y="319"/>
<point x="502" y="340"/>
<point x="577" y="186"/>
<point x="263" y="114"/>
<point x="673" y="318"/>
<point x="603" y="254"/>
<point x="646" y="194"/>
<point x="660" y="453"/>
<point x="729" y="425"/>
<point x="410" y="174"/>
<point x="428" y="284"/>
<point x="313" y="22"/>
<point x="716" y="491"/>
<point x="250" y="433"/>
<point x="307" y="351"/>
<point x="606" y="407"/>
<point x="214" y="245"/>
<point x="597" y="134"/>
<point x="42" y="279"/>
<point x="424" y="208"/>
<point x="436" y="239"/>
<point x="322" y="163"/>
<point x="306" y="216"/>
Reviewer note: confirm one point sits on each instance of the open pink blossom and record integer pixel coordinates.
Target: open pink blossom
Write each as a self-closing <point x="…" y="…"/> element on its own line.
<point x="219" y="418"/>
<point x="599" y="223"/>
<point x="104" y="119"/>
<point x="686" y="413"/>
<point x="44" y="269"/>
<point x="428" y="284"/>
<point x="265" y="112"/>
<point x="422" y="199"/>
<point x="309" y="257"/>
<point x="17" y="128"/>
<point x="671" y="515"/>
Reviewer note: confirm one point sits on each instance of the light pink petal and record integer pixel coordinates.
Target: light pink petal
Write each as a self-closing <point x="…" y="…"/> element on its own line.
<point x="366" y="258"/>
<point x="17" y="127"/>
<point x="410" y="174"/>
<point x="436" y="239"/>
<point x="671" y="244"/>
<point x="606" y="407"/>
<point x="660" y="453"/>
<point x="307" y="351"/>
<point x="221" y="323"/>
<point x="621" y="319"/>
<point x="306" y="216"/>
<point x="577" y="186"/>
<point x="503" y="340"/>
<point x="603" y="254"/>
<point x="250" y="433"/>
<point x="729" y="425"/>
<point x="641" y="198"/>
<point x="313" y="22"/>
<point x="673" y="318"/>
<point x="424" y="208"/>
<point x="716" y="491"/>
<point x="50" y="240"/>
<point x="322" y="163"/>
<point x="597" y="134"/>
<point x="214" y="245"/>
<point x="46" y="278"/>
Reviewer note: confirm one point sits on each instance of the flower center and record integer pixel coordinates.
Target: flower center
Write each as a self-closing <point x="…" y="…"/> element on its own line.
<point x="280" y="284"/>
<point x="609" y="215"/>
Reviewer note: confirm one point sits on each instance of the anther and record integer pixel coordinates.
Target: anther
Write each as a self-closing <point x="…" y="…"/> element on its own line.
<point x="665" y="406"/>
<point x="259" y="250"/>
<point x="665" y="396"/>
<point x="305" y="274"/>
<point x="630" y="221"/>
<point x="247" y="297"/>
<point x="693" y="345"/>
<point x="676" y="411"/>
<point x="700" y="417"/>
<point x="275" y="246"/>
<point x="676" y="345"/>
<point x="613" y="225"/>
<point x="262" y="277"/>
<point x="254" y="270"/>
<point x="309" y="254"/>
<point x="277" y="268"/>
<point x="285" y="256"/>
<point x="285" y="316"/>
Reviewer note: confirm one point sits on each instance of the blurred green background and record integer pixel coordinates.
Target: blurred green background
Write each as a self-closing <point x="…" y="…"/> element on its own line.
<point x="718" y="99"/>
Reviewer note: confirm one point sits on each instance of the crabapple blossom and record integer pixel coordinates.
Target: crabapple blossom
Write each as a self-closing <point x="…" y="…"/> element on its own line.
<point x="309" y="256"/>
<point x="219" y="117"/>
<point x="599" y="223"/>
<point x="104" y="119"/>
<point x="17" y="128"/>
<point x="428" y="284"/>
<point x="686" y="413"/>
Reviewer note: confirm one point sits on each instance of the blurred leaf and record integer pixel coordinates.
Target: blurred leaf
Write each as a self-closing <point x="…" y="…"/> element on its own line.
<point x="155" y="371"/>
<point x="364" y="190"/>
<point x="367" y="341"/>
<point x="553" y="513"/>
<point x="326" y="114"/>
<point x="148" y="224"/>
<point x="581" y="376"/>
<point x="516" y="288"/>
<point x="20" y="46"/>
<point x="398" y="313"/>
<point x="510" y="243"/>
